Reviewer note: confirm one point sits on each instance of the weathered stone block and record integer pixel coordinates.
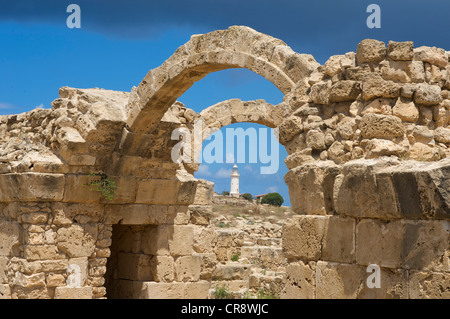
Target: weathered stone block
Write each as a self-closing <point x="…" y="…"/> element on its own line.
<point x="163" y="268"/>
<point x="344" y="91"/>
<point x="42" y="252"/>
<point x="432" y="55"/>
<point x="73" y="293"/>
<point x="381" y="126"/>
<point x="300" y="281"/>
<point x="303" y="237"/>
<point x="370" y="51"/>
<point x="188" y="268"/>
<point x="338" y="281"/>
<point x="427" y="94"/>
<point x="31" y="186"/>
<point x="339" y="240"/>
<point x="311" y="187"/>
<point x="380" y="243"/>
<point x="425" y="285"/>
<point x="77" y="240"/>
<point x="374" y="86"/>
<point x="157" y="191"/>
<point x="10" y="237"/>
<point x="400" y="51"/>
<point x="406" y="111"/>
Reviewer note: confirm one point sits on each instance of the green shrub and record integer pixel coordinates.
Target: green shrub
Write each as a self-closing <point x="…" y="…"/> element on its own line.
<point x="248" y="197"/>
<point x="273" y="199"/>
<point x="225" y="193"/>
<point x="222" y="293"/>
<point x="235" y="257"/>
<point x="104" y="185"/>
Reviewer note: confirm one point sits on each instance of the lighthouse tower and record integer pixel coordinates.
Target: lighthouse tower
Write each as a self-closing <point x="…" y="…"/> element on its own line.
<point x="234" y="189"/>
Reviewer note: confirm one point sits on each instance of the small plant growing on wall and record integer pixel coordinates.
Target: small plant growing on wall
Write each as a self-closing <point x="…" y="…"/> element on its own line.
<point x="102" y="184"/>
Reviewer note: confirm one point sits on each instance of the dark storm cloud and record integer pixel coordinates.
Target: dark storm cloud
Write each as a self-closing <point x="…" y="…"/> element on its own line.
<point x="305" y="25"/>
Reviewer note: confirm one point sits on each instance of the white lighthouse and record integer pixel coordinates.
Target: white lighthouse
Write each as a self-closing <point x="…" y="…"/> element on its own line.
<point x="234" y="189"/>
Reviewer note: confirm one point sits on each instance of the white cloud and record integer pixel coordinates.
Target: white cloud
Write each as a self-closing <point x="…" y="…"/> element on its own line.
<point x="204" y="170"/>
<point x="248" y="168"/>
<point x="6" y="106"/>
<point x="271" y="189"/>
<point x="223" y="173"/>
<point x="40" y="106"/>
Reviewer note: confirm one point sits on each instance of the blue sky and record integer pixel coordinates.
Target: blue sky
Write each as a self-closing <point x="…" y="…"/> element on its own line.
<point x="120" y="41"/>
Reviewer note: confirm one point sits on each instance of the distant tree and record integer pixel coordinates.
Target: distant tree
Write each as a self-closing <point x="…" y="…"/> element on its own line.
<point x="225" y="193"/>
<point x="273" y="199"/>
<point x="248" y="197"/>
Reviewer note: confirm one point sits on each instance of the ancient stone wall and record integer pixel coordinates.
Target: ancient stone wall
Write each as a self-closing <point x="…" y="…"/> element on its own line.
<point x="367" y="139"/>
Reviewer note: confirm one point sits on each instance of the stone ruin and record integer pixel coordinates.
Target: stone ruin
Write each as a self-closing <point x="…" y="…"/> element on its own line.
<point x="369" y="176"/>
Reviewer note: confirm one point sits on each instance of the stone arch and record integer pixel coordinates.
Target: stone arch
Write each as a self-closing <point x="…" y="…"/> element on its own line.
<point x="236" y="47"/>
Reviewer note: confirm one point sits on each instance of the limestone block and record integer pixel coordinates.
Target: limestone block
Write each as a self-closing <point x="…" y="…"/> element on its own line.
<point x="338" y="281"/>
<point x="358" y="192"/>
<point x="319" y="93"/>
<point x="231" y="271"/>
<point x="5" y="291"/>
<point x="77" y="240"/>
<point x="423" y="152"/>
<point x="300" y="281"/>
<point x="205" y="239"/>
<point x="155" y="240"/>
<point x="55" y="280"/>
<point x="10" y="237"/>
<point x="426" y="245"/>
<point x="370" y="51"/>
<point x="378" y="106"/>
<point x="182" y="240"/>
<point x="339" y="240"/>
<point x="42" y="252"/>
<point x="425" y="285"/>
<point x="302" y="237"/>
<point x="289" y="128"/>
<point x="3" y="269"/>
<point x="197" y="290"/>
<point x="442" y="135"/>
<point x="31" y="186"/>
<point x="380" y="243"/>
<point x="432" y="55"/>
<point x="374" y="86"/>
<point x="400" y="51"/>
<point x="200" y="215"/>
<point x="73" y="293"/>
<point x="406" y="111"/>
<point x="204" y="193"/>
<point x="345" y="90"/>
<point x="315" y="139"/>
<point x="157" y="191"/>
<point x="208" y="265"/>
<point x="34" y="218"/>
<point x="311" y="187"/>
<point x="159" y="290"/>
<point x="397" y="71"/>
<point x="333" y="66"/>
<point x="393" y="285"/>
<point x="35" y="280"/>
<point x="188" y="268"/>
<point x="347" y="128"/>
<point x="427" y="94"/>
<point x="377" y="147"/>
<point x="381" y="126"/>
